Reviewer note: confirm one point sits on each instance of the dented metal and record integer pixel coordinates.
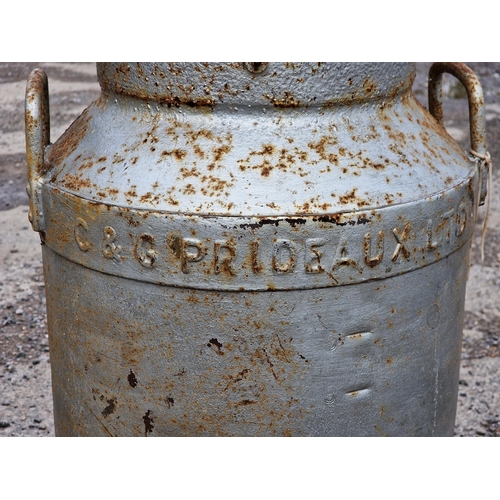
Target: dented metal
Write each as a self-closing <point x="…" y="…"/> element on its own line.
<point x="255" y="249"/>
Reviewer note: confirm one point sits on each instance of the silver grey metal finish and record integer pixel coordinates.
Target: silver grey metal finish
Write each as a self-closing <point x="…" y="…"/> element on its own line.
<point x="255" y="249"/>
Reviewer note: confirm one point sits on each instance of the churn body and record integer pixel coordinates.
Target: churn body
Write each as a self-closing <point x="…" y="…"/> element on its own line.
<point x="254" y="249"/>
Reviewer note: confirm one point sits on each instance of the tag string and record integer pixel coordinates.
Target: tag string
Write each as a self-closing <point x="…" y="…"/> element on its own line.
<point x="486" y="160"/>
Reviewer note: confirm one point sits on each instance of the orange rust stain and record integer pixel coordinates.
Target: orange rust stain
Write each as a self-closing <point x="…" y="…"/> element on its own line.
<point x="287" y="100"/>
<point x="369" y="86"/>
<point x="267" y="149"/>
<point x="389" y="199"/>
<point x="253" y="259"/>
<point x="224" y="255"/>
<point x="118" y="159"/>
<point x="86" y="164"/>
<point x="198" y="151"/>
<point x="131" y="193"/>
<point x="352" y="197"/>
<point x="192" y="172"/>
<point x="174" y="241"/>
<point x="70" y="140"/>
<point x="321" y="148"/>
<point x="213" y="186"/>
<point x="149" y="198"/>
<point x="189" y="190"/>
<point x="76" y="183"/>
<point x="194" y="135"/>
<point x="220" y="152"/>
<point x="178" y="154"/>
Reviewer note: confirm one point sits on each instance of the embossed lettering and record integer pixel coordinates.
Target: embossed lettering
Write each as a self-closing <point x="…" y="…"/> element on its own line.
<point x="144" y="250"/>
<point x="342" y="257"/>
<point x="224" y="253"/>
<point x="190" y="256"/>
<point x="183" y="248"/>
<point x="313" y="255"/>
<point x="461" y="219"/>
<point x="110" y="249"/>
<point x="432" y="243"/>
<point x="81" y="227"/>
<point x="401" y="246"/>
<point x="370" y="260"/>
<point x="447" y="217"/>
<point x="257" y="266"/>
<point x="437" y="235"/>
<point x="284" y="256"/>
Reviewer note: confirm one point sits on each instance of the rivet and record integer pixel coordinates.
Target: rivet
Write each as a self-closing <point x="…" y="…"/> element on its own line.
<point x="256" y="67"/>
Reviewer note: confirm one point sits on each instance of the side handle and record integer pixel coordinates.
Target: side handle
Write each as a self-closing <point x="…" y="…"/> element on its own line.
<point x="37" y="122"/>
<point x="476" y="109"/>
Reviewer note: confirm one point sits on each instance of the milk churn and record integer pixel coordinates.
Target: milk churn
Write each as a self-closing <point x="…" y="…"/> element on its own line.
<point x="255" y="249"/>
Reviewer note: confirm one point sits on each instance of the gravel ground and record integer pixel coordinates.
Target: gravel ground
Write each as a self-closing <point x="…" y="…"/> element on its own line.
<point x="25" y="393"/>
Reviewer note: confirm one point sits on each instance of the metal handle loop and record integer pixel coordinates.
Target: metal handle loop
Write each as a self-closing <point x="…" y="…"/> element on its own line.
<point x="475" y="97"/>
<point x="37" y="122"/>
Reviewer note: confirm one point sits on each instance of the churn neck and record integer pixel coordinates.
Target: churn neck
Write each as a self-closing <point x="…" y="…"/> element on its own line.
<point x="273" y="84"/>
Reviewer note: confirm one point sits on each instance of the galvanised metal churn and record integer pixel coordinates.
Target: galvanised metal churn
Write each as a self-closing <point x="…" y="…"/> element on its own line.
<point x="255" y="249"/>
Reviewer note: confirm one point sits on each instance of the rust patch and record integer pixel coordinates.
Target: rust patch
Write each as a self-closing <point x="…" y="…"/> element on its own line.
<point x="369" y="86"/>
<point x="214" y="185"/>
<point x="198" y="151"/>
<point x="267" y="149"/>
<point x="131" y="193"/>
<point x="287" y="100"/>
<point x="110" y="408"/>
<point x="148" y="423"/>
<point x="178" y="154"/>
<point x="189" y="190"/>
<point x="174" y="241"/>
<point x="150" y="197"/>
<point x="246" y="402"/>
<point x="351" y="197"/>
<point x="86" y="164"/>
<point x="70" y="140"/>
<point x="320" y="147"/>
<point x="287" y="161"/>
<point x="132" y="380"/>
<point x="216" y="346"/>
<point x="220" y="152"/>
<point x="224" y="253"/>
<point x="256" y="67"/>
<point x="207" y="134"/>
<point x="74" y="182"/>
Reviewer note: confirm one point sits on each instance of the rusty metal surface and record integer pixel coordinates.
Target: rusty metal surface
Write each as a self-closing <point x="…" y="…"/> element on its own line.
<point x="256" y="249"/>
<point x="477" y="118"/>
<point x="260" y="253"/>
<point x="134" y="359"/>
<point x="276" y="84"/>
<point x="229" y="160"/>
<point x="475" y="96"/>
<point x="37" y="125"/>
